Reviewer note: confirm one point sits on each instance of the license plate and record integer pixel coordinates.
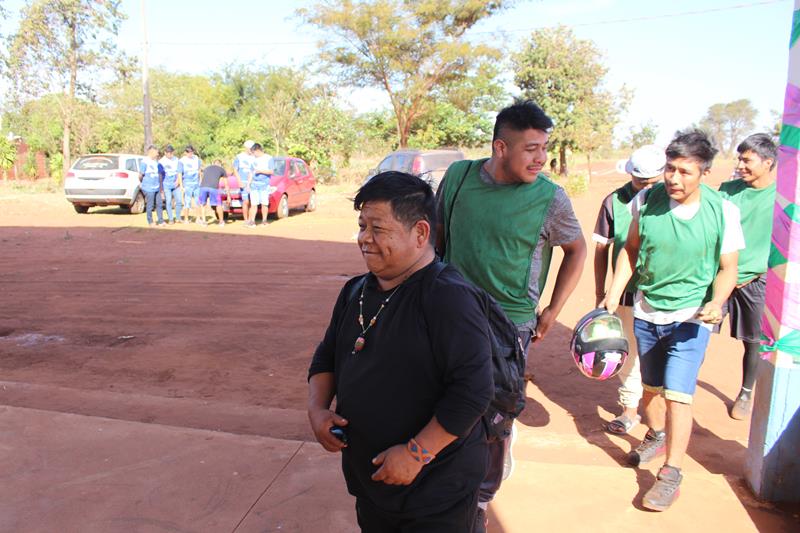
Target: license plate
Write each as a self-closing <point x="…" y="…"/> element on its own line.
<point x="236" y="203"/>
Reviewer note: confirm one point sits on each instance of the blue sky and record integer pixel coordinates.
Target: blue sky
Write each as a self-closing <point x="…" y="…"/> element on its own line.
<point x="679" y="57"/>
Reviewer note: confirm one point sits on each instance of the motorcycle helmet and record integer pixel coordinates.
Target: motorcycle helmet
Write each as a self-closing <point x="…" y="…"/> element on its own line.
<point x="598" y="345"/>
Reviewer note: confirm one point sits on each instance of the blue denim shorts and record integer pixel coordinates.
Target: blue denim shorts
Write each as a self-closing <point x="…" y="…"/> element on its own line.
<point x="209" y="193"/>
<point x="191" y="192"/>
<point x="670" y="356"/>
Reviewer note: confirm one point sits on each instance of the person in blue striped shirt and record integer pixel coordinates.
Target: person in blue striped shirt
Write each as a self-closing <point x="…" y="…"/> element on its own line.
<point x="243" y="170"/>
<point x="189" y="172"/>
<point x="172" y="184"/>
<point x="152" y="175"/>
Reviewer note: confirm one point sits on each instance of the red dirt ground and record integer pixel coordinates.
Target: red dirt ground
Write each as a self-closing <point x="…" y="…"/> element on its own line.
<point x="205" y="327"/>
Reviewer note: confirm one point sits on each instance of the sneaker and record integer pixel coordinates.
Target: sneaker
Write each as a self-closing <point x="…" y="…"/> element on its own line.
<point x="162" y="223"/>
<point x="665" y="490"/>
<point x="508" y="459"/>
<point x="249" y="225"/>
<point x="150" y="224"/>
<point x="653" y="445"/>
<point x="171" y="222"/>
<point x="221" y="223"/>
<point x="742" y="406"/>
<point x="481" y="522"/>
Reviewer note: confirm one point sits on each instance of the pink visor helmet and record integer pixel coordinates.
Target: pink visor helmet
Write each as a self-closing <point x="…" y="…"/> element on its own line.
<point x="598" y="345"/>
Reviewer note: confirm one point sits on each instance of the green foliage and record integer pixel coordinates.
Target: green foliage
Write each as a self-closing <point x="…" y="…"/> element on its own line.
<point x="576" y="184"/>
<point x="55" y="165"/>
<point x="564" y="75"/>
<point x="641" y="135"/>
<point x="407" y="49"/>
<point x="8" y="153"/>
<point x="59" y="48"/>
<point x="728" y="123"/>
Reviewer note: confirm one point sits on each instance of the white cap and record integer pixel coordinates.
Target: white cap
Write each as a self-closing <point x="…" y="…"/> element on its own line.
<point x="249" y="144"/>
<point x="646" y="162"/>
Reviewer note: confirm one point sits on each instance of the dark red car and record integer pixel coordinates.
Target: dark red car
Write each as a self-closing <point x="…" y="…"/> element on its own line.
<point x="293" y="187"/>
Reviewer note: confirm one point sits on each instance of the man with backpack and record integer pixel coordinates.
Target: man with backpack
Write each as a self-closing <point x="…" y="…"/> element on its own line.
<point x="407" y="357"/>
<point x="499" y="218"/>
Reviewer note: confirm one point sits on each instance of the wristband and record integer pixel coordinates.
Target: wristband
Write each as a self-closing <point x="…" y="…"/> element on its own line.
<point x="420" y="454"/>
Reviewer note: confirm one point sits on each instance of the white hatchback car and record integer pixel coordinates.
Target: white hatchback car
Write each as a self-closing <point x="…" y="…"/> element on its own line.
<point x="105" y="179"/>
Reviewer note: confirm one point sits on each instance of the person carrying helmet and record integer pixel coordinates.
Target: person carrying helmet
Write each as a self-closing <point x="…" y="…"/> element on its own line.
<point x="645" y="166"/>
<point x="683" y="245"/>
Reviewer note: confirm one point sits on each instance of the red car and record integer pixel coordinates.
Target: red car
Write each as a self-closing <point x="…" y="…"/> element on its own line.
<point x="293" y="187"/>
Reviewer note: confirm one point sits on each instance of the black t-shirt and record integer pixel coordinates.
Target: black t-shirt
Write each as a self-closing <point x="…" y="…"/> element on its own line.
<point x="212" y="175"/>
<point x="425" y="355"/>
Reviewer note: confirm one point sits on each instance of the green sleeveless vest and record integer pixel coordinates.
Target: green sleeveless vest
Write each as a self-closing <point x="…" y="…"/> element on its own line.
<point x="622" y="222"/>
<point x="679" y="259"/>
<point x="755" y="207"/>
<point x="493" y="233"/>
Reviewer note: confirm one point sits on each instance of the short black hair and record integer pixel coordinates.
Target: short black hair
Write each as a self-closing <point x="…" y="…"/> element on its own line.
<point x="763" y="145"/>
<point x="152" y="147"/>
<point x="168" y="149"/>
<point x="411" y="198"/>
<point x="189" y="148"/>
<point x="256" y="146"/>
<point x="692" y="144"/>
<point x="522" y="115"/>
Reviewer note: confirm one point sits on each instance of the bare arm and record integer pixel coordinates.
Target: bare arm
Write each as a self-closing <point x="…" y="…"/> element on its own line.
<point x="724" y="283"/>
<point x="567" y="279"/>
<point x="399" y="467"/>
<point x="623" y="269"/>
<point x="600" y="271"/>
<point x="321" y="390"/>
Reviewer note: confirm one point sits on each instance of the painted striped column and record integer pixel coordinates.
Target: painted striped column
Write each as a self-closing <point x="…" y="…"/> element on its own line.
<point x="773" y="457"/>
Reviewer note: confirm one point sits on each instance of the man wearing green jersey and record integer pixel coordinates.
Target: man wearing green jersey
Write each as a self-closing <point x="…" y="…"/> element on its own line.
<point x="683" y="245"/>
<point x="753" y="192"/>
<point x="498" y="220"/>
<point x="645" y="166"/>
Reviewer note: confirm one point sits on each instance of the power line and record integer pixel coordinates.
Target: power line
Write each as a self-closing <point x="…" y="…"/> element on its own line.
<point x="517" y="30"/>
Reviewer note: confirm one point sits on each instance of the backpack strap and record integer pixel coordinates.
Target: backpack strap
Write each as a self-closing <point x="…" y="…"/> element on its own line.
<point x="467" y="169"/>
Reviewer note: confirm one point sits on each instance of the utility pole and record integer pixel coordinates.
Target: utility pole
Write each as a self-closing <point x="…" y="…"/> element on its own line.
<point x="148" y="120"/>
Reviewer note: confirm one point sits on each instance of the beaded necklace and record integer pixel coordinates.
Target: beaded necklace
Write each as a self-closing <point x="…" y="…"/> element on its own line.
<point x="361" y="341"/>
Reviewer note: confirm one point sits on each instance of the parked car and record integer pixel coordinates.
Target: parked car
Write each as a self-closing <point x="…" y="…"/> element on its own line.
<point x="429" y="165"/>
<point x="105" y="179"/>
<point x="293" y="187"/>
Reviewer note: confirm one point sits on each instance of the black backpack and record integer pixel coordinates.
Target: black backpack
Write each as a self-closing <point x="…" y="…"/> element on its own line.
<point x="508" y="359"/>
<point x="508" y="363"/>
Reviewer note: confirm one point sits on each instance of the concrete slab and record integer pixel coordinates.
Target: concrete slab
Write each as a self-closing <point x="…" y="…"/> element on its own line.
<point x="65" y="472"/>
<point x="309" y="496"/>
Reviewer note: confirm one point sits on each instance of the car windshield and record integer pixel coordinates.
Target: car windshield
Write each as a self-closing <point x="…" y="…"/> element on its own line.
<point x="279" y="166"/>
<point x="97" y="162"/>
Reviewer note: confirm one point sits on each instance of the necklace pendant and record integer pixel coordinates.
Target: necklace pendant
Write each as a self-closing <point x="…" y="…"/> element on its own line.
<point x="359" y="344"/>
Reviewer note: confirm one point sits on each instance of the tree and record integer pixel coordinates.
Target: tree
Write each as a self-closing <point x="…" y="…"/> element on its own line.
<point x="727" y="123"/>
<point x="641" y="135"/>
<point x="60" y="47"/>
<point x="564" y="75"/>
<point x="8" y="154"/>
<point x="407" y="49"/>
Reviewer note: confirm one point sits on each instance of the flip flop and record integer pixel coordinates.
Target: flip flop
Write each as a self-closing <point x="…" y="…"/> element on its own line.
<point x="622" y="424"/>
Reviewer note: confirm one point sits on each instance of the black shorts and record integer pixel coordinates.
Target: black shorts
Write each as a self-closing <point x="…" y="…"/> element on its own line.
<point x="459" y="518"/>
<point x="746" y="306"/>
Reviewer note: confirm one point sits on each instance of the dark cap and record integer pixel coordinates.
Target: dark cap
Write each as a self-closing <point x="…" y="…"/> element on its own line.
<point x="169" y="149"/>
<point x="189" y="148"/>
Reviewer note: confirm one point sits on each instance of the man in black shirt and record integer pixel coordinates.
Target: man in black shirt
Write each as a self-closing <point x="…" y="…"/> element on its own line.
<point x="209" y="190"/>
<point x="407" y="356"/>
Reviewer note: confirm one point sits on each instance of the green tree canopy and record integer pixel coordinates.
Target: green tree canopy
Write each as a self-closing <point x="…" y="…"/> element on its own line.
<point x="564" y="75"/>
<point x="409" y="50"/>
<point x="60" y="47"/>
<point x="729" y="123"/>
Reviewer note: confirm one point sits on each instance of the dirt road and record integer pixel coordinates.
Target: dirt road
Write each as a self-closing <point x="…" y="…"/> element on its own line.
<point x="213" y="328"/>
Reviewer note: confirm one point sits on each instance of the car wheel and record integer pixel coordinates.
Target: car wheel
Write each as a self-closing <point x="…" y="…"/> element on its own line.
<point x="137" y="207"/>
<point x="312" y="201"/>
<point x="82" y="209"/>
<point x="283" y="207"/>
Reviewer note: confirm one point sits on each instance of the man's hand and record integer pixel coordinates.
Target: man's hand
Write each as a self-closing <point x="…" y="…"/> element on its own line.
<point x="610" y="305"/>
<point x="322" y="420"/>
<point x="711" y="313"/>
<point x="397" y="466"/>
<point x="543" y="323"/>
